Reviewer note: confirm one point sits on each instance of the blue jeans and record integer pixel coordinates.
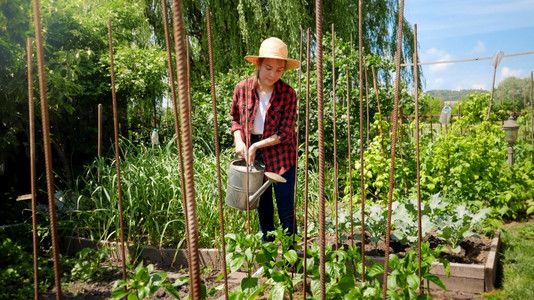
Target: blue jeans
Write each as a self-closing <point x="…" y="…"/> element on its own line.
<point x="284" y="193"/>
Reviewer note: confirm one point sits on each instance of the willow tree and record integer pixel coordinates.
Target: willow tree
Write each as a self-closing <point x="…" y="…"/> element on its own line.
<point x="239" y="26"/>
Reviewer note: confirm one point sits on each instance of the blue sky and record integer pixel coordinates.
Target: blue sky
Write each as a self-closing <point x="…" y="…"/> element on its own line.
<point x="463" y="29"/>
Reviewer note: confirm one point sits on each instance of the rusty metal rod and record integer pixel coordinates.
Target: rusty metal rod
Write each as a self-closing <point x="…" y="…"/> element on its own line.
<point x="334" y="121"/>
<point x="247" y="143"/>
<point x="349" y="150"/>
<point x="297" y="142"/>
<point x="33" y="171"/>
<point x="379" y="112"/>
<point x="320" y="121"/>
<point x="368" y="119"/>
<point x="362" y="184"/>
<point x="393" y="146"/>
<point x="306" y="167"/>
<point x="117" y="153"/>
<point x="47" y="147"/>
<point x="418" y="160"/>
<point x="99" y="137"/>
<point x="175" y="114"/>
<point x="217" y="150"/>
<point x="185" y="112"/>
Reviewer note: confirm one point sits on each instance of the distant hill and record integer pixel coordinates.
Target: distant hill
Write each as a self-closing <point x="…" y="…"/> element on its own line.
<point x="450" y="95"/>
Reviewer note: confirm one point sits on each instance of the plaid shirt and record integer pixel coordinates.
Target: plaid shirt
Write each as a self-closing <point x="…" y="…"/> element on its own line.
<point x="279" y="120"/>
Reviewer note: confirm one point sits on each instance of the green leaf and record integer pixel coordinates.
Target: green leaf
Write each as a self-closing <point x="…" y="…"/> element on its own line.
<point x="277" y="292"/>
<point x="249" y="284"/>
<point x="236" y="261"/>
<point x="291" y="257"/>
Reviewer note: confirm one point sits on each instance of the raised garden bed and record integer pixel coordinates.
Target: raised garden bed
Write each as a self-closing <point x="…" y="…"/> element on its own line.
<point x="469" y="278"/>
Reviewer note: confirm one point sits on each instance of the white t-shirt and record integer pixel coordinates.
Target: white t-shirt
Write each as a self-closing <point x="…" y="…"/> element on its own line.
<point x="261" y="112"/>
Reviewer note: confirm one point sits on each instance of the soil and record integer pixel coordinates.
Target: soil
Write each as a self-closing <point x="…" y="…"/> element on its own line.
<point x="473" y="251"/>
<point x="103" y="288"/>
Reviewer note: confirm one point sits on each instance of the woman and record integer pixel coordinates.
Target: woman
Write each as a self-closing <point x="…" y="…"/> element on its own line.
<point x="271" y="111"/>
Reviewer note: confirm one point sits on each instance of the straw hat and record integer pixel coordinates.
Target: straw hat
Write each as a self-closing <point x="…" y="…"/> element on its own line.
<point x="273" y="48"/>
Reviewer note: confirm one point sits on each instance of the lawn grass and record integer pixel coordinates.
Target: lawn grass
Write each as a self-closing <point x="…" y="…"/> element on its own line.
<point x="517" y="262"/>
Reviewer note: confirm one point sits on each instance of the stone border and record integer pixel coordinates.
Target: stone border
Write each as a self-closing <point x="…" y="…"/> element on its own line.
<point x="471" y="278"/>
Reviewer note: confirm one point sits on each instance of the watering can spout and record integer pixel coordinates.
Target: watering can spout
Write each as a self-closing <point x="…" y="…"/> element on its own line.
<point x="271" y="177"/>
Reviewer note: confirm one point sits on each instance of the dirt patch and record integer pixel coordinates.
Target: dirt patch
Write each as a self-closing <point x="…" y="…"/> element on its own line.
<point x="102" y="289"/>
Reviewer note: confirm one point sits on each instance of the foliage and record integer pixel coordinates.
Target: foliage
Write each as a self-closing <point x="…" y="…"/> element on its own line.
<point x="404" y="281"/>
<point x="16" y="271"/>
<point x="241" y="253"/>
<point x="454" y="228"/>
<point x="142" y="284"/>
<point x="517" y="257"/>
<point x="87" y="264"/>
<point x="477" y="178"/>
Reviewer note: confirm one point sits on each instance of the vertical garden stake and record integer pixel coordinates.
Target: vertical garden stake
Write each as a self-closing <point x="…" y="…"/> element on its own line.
<point x="117" y="154"/>
<point x="362" y="184"/>
<point x="247" y="142"/>
<point x="306" y="153"/>
<point x="320" y="133"/>
<point x="417" y="156"/>
<point x="368" y="119"/>
<point x="176" y="115"/>
<point x="297" y="138"/>
<point x="217" y="150"/>
<point x="33" y="172"/>
<point x="379" y="112"/>
<point x="334" y="121"/>
<point x="47" y="146"/>
<point x="99" y="142"/>
<point x="393" y="142"/>
<point x="349" y="150"/>
<point x="185" y="112"/>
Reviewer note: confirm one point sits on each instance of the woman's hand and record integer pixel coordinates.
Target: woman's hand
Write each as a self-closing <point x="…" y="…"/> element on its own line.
<point x="252" y="153"/>
<point x="241" y="149"/>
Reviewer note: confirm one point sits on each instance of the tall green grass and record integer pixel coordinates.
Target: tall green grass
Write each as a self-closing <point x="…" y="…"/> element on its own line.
<point x="152" y="198"/>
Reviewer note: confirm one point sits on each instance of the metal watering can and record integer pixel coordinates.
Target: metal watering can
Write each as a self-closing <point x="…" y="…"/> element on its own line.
<point x="236" y="195"/>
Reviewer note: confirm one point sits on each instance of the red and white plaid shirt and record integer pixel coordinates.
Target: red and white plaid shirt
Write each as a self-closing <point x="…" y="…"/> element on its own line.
<point x="279" y="119"/>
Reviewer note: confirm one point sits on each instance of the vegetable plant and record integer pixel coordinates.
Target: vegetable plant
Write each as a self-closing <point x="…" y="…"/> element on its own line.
<point x="142" y="283"/>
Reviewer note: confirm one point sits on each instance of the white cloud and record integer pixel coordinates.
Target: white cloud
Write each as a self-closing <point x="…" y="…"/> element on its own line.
<point x="478" y="86"/>
<point x="479" y="48"/>
<point x="434" y="55"/>
<point x="507" y="72"/>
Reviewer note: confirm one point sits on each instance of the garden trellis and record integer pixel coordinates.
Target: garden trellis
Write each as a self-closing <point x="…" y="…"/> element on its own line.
<point x="183" y="132"/>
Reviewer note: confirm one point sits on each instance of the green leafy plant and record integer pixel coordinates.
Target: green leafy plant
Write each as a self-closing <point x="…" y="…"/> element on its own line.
<point x="87" y="264"/>
<point x="277" y="271"/>
<point x="241" y="252"/>
<point x="404" y="281"/>
<point x="455" y="227"/>
<point x="142" y="283"/>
